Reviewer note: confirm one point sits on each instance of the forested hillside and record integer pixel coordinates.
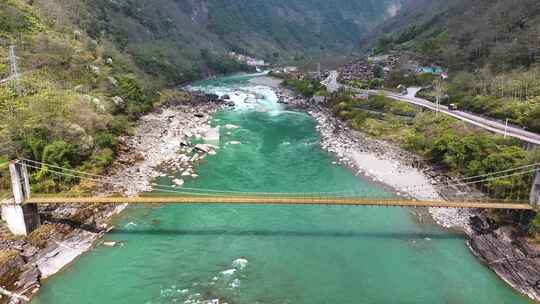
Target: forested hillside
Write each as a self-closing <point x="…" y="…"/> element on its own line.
<point x="502" y="33"/>
<point x="491" y="49"/>
<point x="166" y="37"/>
<point x="90" y="68"/>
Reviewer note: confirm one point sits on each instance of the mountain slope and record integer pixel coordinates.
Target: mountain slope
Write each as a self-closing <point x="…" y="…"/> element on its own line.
<point x="90" y="68"/>
<point x="502" y="33"/>
<point x="490" y="47"/>
<point x="165" y="37"/>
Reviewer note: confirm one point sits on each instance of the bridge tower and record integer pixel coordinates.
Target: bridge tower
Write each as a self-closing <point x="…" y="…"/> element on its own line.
<point x="535" y="191"/>
<point x="21" y="218"/>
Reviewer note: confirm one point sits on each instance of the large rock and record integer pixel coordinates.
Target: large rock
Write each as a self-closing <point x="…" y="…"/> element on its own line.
<point x="510" y="256"/>
<point x="28" y="278"/>
<point x="204" y="148"/>
<point x="10" y="267"/>
<point x="212" y="135"/>
<point x="212" y="97"/>
<point x="118" y="101"/>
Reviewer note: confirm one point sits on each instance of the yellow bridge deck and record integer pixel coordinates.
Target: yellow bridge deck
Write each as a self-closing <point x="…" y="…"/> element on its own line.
<point x="261" y="200"/>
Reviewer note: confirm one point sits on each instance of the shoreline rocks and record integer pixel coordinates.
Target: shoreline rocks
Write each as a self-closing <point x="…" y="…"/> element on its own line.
<point x="161" y="139"/>
<point x="164" y="138"/>
<point x="502" y="249"/>
<point x="508" y="254"/>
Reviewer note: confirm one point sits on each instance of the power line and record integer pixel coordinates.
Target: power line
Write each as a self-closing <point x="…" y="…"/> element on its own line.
<point x="496" y="178"/>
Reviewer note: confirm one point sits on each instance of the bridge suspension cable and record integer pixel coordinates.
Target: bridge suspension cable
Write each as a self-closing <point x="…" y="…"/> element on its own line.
<point x="455" y="182"/>
<point x="216" y="192"/>
<point x="498" y="172"/>
<point x="450" y="185"/>
<point x="182" y="190"/>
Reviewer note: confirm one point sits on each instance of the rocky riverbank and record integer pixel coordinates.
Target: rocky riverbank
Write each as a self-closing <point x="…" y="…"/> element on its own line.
<point x="508" y="253"/>
<point x="384" y="163"/>
<point x="503" y="249"/>
<point x="161" y="141"/>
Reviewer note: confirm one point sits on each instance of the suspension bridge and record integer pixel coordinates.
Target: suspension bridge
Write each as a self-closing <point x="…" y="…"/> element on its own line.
<point x="512" y="189"/>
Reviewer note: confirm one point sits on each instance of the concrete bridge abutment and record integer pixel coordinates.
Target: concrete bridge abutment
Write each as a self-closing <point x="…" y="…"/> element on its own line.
<point x="21" y="218"/>
<point x="535" y="192"/>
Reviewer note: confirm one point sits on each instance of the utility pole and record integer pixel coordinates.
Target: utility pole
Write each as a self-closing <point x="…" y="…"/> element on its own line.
<point x="14" y="70"/>
<point x="438" y="92"/>
<point x="506" y="128"/>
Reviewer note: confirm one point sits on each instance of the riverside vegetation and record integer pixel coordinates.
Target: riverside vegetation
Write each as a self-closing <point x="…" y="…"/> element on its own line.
<point x="443" y="141"/>
<point x="77" y="96"/>
<point x="491" y="50"/>
<point x="90" y="69"/>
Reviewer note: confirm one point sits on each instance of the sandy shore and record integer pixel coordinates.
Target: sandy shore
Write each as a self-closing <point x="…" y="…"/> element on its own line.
<point x="387" y="164"/>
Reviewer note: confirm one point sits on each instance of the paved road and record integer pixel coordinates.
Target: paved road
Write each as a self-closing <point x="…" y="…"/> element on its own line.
<point x="479" y="121"/>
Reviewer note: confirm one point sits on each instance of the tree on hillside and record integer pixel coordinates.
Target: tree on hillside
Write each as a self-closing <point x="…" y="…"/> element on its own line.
<point x="439" y="87"/>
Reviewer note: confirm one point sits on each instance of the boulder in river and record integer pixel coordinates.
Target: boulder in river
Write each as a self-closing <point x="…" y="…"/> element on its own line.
<point x="212" y="97"/>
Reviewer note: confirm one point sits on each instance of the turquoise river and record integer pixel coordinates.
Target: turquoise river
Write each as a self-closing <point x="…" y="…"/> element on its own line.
<point x="275" y="254"/>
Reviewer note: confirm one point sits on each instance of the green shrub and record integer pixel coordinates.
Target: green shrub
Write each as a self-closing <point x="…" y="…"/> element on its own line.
<point x="34" y="143"/>
<point x="105" y="139"/>
<point x="534" y="227"/>
<point x="98" y="162"/>
<point x="120" y="125"/>
<point x="61" y="154"/>
<point x="358" y="119"/>
<point x="532" y="120"/>
<point x="51" y="179"/>
<point x="306" y="87"/>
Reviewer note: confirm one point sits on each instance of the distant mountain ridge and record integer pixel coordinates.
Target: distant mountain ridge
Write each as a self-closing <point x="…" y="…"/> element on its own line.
<point x="166" y="37"/>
